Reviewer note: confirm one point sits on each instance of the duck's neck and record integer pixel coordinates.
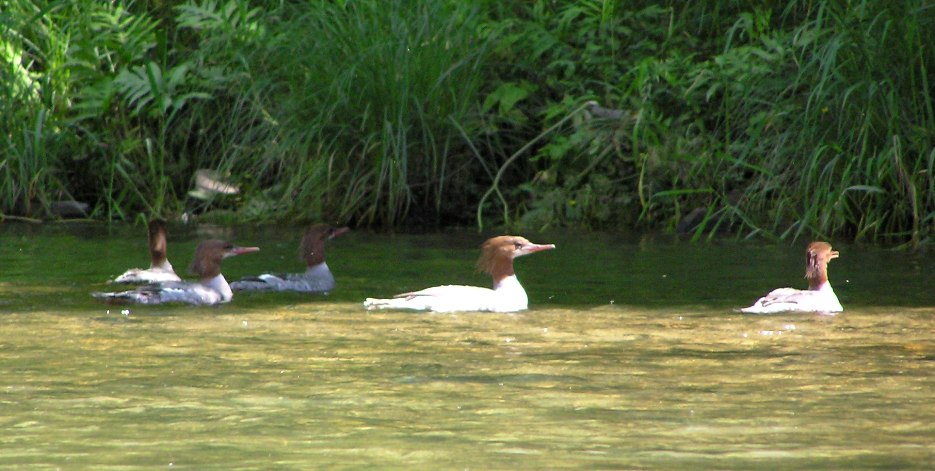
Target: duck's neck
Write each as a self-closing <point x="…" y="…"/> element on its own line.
<point x="506" y="283"/>
<point x="509" y="295"/>
<point x="219" y="284"/>
<point x="818" y="279"/>
<point x="501" y="270"/>
<point x="826" y="286"/>
<point x="318" y="270"/>
<point x="162" y="265"/>
<point x="313" y="250"/>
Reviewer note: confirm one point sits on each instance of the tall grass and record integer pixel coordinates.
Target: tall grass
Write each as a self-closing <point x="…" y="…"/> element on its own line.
<point x="364" y="96"/>
<point x="807" y="119"/>
<point x="833" y="124"/>
<point x="815" y="120"/>
<point x="30" y="176"/>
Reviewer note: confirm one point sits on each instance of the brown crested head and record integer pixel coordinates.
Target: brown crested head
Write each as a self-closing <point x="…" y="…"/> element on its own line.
<point x="312" y="248"/>
<point x="210" y="253"/>
<point x="497" y="254"/>
<point x="157" y="241"/>
<point x="817" y="256"/>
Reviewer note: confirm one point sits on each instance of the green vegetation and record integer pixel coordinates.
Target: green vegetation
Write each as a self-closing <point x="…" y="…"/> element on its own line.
<point x="777" y="119"/>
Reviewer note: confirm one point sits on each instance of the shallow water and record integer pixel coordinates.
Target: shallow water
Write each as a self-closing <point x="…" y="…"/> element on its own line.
<point x="631" y="356"/>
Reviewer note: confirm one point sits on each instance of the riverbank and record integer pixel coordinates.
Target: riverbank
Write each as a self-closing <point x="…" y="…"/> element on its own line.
<point x="811" y="120"/>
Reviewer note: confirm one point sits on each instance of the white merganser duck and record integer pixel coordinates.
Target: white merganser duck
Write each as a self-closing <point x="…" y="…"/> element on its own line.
<point x="496" y="259"/>
<point x="818" y="298"/>
<point x="317" y="277"/>
<point x="160" y="270"/>
<point x="212" y="288"/>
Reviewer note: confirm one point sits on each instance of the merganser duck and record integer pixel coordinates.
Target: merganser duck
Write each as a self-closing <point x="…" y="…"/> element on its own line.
<point x="317" y="277"/>
<point x="160" y="270"/>
<point x="818" y="298"/>
<point x="496" y="259"/>
<point x="212" y="288"/>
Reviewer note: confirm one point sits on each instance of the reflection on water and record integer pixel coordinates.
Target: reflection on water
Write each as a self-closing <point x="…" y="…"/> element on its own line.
<point x="631" y="357"/>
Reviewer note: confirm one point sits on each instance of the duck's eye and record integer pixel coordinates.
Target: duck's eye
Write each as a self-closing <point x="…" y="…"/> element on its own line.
<point x="517" y="245"/>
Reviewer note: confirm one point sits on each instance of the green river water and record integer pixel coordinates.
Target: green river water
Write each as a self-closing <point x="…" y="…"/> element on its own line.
<point x="630" y="357"/>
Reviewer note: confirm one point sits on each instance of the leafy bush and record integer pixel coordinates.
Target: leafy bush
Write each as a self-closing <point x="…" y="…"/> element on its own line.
<point x="793" y="119"/>
<point x="815" y="119"/>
